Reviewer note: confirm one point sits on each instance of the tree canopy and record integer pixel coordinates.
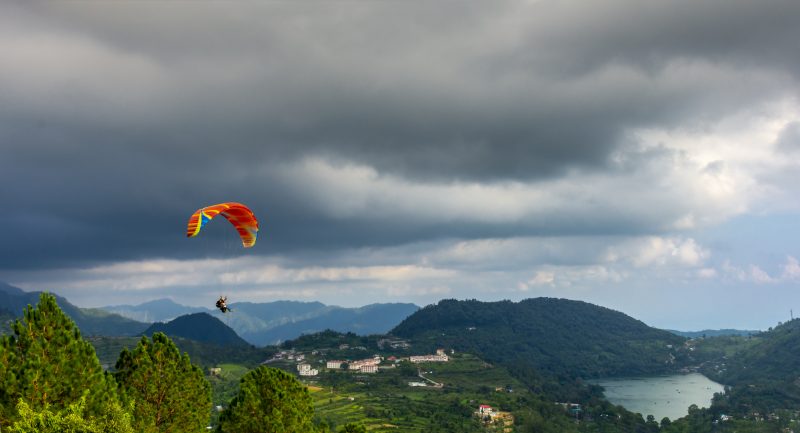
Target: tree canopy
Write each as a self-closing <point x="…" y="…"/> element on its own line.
<point x="47" y="364"/>
<point x="269" y="401"/>
<point x="169" y="393"/>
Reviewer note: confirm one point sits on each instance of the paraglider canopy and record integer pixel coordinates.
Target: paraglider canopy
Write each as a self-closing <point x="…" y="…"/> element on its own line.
<point x="238" y="214"/>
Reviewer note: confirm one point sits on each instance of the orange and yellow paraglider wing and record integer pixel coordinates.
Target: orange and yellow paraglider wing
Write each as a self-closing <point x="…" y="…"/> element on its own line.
<point x="245" y="222"/>
<point x="238" y="214"/>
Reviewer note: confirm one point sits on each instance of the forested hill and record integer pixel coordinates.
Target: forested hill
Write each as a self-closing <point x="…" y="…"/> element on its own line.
<point x="90" y="321"/>
<point x="555" y="336"/>
<point x="766" y="374"/>
<point x="199" y="327"/>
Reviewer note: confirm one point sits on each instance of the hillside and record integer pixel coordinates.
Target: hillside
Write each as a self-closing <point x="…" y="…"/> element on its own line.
<point x="272" y="322"/>
<point x="90" y="321"/>
<point x="200" y="327"/>
<point x="555" y="337"/>
<point x="766" y="373"/>
<point x="707" y="333"/>
<point x="6" y="319"/>
<point x="367" y="320"/>
<point x="159" y="310"/>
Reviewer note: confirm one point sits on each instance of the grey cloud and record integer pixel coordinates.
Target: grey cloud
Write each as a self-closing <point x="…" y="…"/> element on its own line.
<point x="789" y="138"/>
<point x="119" y="119"/>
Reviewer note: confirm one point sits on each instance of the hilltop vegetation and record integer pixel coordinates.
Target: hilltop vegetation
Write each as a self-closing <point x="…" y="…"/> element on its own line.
<point x="764" y="375"/>
<point x="90" y="321"/>
<point x="51" y="381"/>
<point x="70" y="390"/>
<point x="200" y="327"/>
<point x="556" y="337"/>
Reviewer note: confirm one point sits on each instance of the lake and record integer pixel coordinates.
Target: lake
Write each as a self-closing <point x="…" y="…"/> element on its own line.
<point x="660" y="396"/>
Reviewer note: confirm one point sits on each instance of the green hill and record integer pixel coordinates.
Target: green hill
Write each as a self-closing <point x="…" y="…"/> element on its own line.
<point x="90" y="321"/>
<point x="764" y="375"/>
<point x="200" y="327"/>
<point x="556" y="337"/>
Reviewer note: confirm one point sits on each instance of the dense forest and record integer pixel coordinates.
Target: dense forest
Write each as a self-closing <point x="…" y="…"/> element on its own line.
<point x="555" y="336"/>
<point x="51" y="381"/>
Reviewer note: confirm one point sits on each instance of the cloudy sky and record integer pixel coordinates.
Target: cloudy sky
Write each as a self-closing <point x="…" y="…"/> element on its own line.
<point x="641" y="155"/>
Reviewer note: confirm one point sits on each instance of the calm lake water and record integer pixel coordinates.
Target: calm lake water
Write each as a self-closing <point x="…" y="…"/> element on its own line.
<point x="661" y="396"/>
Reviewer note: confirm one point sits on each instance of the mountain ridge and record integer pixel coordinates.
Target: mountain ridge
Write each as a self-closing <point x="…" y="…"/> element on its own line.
<point x="201" y="327"/>
<point x="557" y="337"/>
<point x="90" y="321"/>
<point x="272" y="322"/>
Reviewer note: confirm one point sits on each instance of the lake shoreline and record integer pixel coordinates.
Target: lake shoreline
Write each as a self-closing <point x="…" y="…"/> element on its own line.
<point x="667" y="395"/>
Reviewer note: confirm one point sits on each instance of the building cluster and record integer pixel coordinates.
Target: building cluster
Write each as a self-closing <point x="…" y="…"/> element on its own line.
<point x="368" y="365"/>
<point x="489" y="415"/>
<point x="306" y="370"/>
<point x="286" y="355"/>
<point x="394" y="343"/>
<point x="439" y="357"/>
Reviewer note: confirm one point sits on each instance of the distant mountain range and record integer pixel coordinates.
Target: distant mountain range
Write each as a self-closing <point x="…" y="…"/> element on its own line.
<point x="269" y="323"/>
<point x="259" y="324"/>
<point x="200" y="327"/>
<point x="90" y="321"/>
<point x="159" y="310"/>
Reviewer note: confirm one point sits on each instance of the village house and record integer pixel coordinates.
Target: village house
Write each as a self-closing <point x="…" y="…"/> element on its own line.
<point x="306" y="370"/>
<point x="370" y="368"/>
<point x="334" y="365"/>
<point x="356" y="365"/>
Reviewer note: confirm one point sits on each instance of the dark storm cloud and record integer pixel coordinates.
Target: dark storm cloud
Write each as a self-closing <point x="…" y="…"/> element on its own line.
<point x="120" y="119"/>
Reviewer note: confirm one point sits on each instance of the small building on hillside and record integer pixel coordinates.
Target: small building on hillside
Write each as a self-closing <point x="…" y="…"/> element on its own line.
<point x="428" y="358"/>
<point x="306" y="370"/>
<point x="369" y="368"/>
<point x="335" y="365"/>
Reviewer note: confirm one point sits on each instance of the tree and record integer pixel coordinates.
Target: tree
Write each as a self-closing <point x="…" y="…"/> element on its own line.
<point x="269" y="401"/>
<point x="169" y="393"/>
<point x="72" y="420"/>
<point x="46" y="364"/>
<point x="353" y="428"/>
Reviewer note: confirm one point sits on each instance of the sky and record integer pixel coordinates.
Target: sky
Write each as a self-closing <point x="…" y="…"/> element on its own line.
<point x="639" y="155"/>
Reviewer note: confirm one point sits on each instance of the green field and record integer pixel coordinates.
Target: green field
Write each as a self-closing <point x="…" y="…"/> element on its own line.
<point x="384" y="402"/>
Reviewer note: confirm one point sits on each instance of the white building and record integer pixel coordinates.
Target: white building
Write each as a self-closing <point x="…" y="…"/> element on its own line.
<point x="306" y="370"/>
<point x="370" y="368"/>
<point x="429" y="358"/>
<point x="335" y="365"/>
<point x="356" y="365"/>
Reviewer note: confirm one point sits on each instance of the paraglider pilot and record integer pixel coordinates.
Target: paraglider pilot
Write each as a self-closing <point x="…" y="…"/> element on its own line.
<point x="221" y="304"/>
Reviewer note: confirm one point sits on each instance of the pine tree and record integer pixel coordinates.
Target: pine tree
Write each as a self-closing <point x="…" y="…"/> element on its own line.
<point x="169" y="393"/>
<point x="72" y="420"/>
<point x="353" y="428"/>
<point x="46" y="364"/>
<point x="269" y="401"/>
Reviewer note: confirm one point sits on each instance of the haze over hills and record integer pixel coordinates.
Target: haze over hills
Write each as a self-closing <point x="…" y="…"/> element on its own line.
<point x="200" y="327"/>
<point x="271" y="322"/>
<point x="91" y="321"/>
<point x="369" y="319"/>
<point x="159" y="310"/>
